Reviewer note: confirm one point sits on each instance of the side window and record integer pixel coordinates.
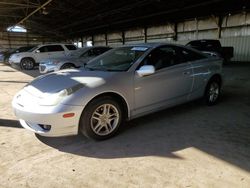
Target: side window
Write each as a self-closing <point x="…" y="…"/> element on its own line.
<point x="43" y="49"/>
<point x="199" y="45"/>
<point x="91" y="53"/>
<point x="189" y="55"/>
<point x="55" y="48"/>
<point x="71" y="47"/>
<point x="99" y="51"/>
<point x="85" y="54"/>
<point x="162" y="57"/>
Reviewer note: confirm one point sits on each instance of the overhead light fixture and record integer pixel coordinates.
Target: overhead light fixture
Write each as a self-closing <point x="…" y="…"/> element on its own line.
<point x="244" y="10"/>
<point x="17" y="28"/>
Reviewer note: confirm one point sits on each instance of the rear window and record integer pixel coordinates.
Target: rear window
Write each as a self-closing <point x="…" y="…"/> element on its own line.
<point x="205" y="44"/>
<point x="71" y="47"/>
<point x="189" y="55"/>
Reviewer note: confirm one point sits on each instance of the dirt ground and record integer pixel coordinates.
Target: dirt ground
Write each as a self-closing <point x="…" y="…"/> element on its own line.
<point x="191" y="145"/>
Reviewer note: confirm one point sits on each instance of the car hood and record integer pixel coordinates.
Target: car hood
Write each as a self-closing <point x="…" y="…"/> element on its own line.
<point x="21" y="54"/>
<point x="65" y="79"/>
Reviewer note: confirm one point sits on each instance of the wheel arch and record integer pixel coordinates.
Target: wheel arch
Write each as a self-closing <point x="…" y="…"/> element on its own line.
<point x="118" y="98"/>
<point x="67" y="63"/>
<point x="28" y="58"/>
<point x="217" y="77"/>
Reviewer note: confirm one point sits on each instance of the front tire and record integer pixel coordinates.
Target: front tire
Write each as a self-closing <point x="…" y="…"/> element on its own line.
<point x="67" y="66"/>
<point x="27" y="63"/>
<point x="213" y="91"/>
<point x="101" y="119"/>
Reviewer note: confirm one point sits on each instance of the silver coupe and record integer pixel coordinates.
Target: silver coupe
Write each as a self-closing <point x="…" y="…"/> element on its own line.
<point x="121" y="84"/>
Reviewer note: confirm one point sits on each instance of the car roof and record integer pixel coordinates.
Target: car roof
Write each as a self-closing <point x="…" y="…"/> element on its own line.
<point x="53" y="44"/>
<point x="26" y="47"/>
<point x="156" y="45"/>
<point x="96" y="47"/>
<point x="91" y="47"/>
<point x="153" y="45"/>
<point x="204" y="40"/>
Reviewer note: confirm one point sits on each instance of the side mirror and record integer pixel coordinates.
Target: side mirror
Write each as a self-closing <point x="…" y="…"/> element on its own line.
<point x="146" y="70"/>
<point x="37" y="51"/>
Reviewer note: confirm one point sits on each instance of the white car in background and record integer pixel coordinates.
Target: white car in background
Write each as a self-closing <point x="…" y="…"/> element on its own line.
<point x="75" y="59"/>
<point x="27" y="60"/>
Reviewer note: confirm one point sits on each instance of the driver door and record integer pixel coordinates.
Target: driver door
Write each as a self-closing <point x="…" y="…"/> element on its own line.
<point x="169" y="85"/>
<point x="42" y="53"/>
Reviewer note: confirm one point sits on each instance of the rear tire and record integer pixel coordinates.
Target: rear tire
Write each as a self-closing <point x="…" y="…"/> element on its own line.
<point x="27" y="63"/>
<point x="213" y="91"/>
<point x="101" y="119"/>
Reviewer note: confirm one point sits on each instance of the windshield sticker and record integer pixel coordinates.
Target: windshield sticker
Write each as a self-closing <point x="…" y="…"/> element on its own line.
<point x="143" y="49"/>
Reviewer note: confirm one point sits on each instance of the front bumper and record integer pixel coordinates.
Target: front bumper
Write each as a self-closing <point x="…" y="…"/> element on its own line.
<point x="44" y="68"/>
<point x="34" y="117"/>
<point x="14" y="65"/>
<point x="12" y="60"/>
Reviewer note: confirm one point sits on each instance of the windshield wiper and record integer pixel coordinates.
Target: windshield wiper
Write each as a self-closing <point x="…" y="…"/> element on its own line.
<point x="88" y="68"/>
<point x="98" y="68"/>
<point x="101" y="68"/>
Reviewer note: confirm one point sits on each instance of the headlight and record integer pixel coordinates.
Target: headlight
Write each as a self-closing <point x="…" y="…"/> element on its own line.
<point x="14" y="56"/>
<point x="52" y="62"/>
<point x="56" y="98"/>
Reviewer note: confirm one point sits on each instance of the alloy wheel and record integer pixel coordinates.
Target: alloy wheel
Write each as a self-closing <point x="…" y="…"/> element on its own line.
<point x="214" y="92"/>
<point x="27" y="64"/>
<point x="105" y="119"/>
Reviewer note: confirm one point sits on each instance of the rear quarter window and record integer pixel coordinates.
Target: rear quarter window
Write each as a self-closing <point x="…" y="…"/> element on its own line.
<point x="189" y="55"/>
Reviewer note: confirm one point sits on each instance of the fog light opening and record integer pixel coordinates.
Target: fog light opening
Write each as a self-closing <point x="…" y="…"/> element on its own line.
<point x="45" y="127"/>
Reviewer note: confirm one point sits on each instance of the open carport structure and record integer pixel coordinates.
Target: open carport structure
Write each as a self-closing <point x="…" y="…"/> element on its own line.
<point x="190" y="145"/>
<point x="115" y="23"/>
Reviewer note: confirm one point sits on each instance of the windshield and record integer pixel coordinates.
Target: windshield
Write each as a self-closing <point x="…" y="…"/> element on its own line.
<point x="79" y="52"/>
<point x="24" y="49"/>
<point x="32" y="49"/>
<point x="119" y="59"/>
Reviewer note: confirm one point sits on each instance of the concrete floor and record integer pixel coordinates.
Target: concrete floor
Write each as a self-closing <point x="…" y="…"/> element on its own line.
<point x="191" y="145"/>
